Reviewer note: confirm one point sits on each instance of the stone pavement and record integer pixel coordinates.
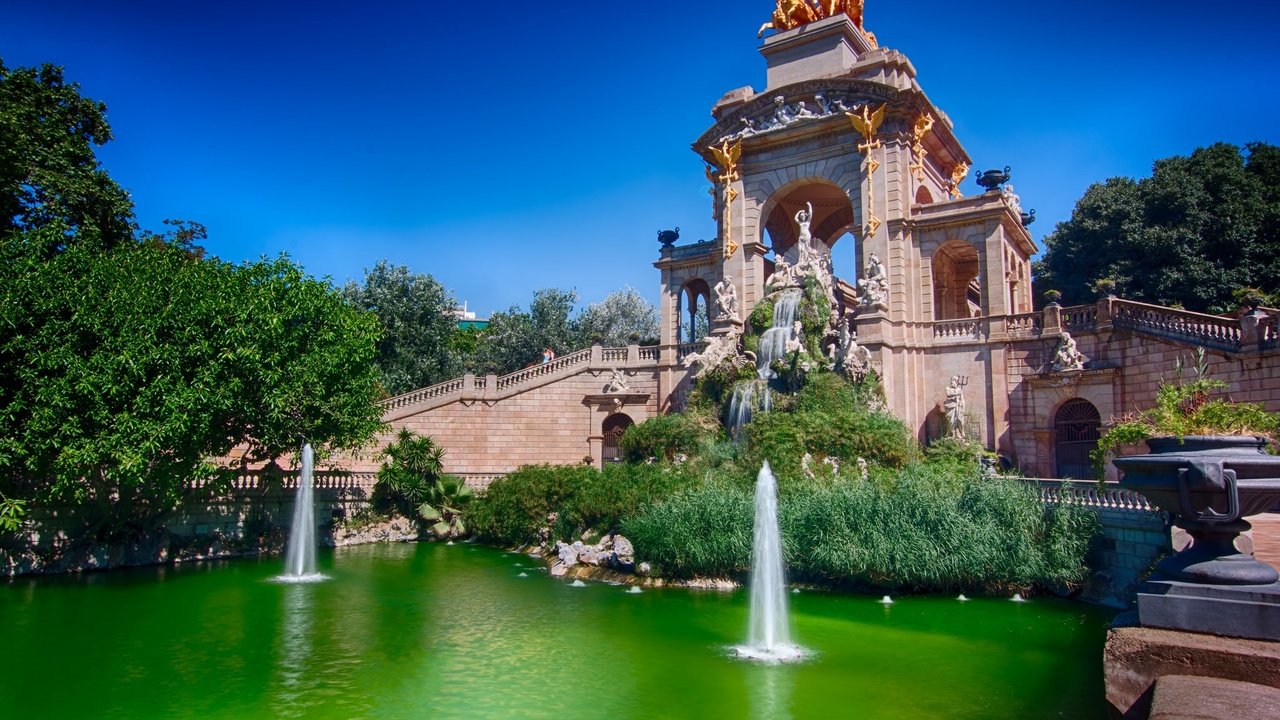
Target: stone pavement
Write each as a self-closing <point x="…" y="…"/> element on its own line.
<point x="1266" y="538"/>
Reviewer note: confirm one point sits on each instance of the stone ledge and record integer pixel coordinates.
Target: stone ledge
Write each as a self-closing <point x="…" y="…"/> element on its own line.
<point x="1186" y="697"/>
<point x="1135" y="657"/>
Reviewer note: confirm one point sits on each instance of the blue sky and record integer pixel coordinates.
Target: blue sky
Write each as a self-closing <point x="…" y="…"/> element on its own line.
<point x="533" y="145"/>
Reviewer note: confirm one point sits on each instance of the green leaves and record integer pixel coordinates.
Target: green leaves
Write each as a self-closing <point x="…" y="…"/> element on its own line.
<point x="409" y="483"/>
<point x="123" y="371"/>
<point x="49" y="175"/>
<point x="1197" y="229"/>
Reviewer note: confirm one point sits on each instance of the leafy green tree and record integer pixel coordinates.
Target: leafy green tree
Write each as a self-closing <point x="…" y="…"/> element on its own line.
<point x="1197" y="230"/>
<point x="620" y="319"/>
<point x="49" y="175"/>
<point x="124" y="372"/>
<point x="417" y="344"/>
<point x="516" y="339"/>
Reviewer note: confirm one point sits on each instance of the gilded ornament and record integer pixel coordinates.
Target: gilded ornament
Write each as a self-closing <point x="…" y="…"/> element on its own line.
<point x="727" y="156"/>
<point x="867" y="124"/>
<point x="924" y="123"/>
<point x="958" y="173"/>
<point x="789" y="14"/>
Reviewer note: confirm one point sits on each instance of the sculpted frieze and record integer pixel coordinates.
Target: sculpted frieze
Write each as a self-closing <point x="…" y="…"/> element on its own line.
<point x="794" y="105"/>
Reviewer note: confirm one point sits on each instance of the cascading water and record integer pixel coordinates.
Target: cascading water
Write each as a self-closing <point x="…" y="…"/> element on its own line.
<point x="751" y="396"/>
<point x="300" y="554"/>
<point x="769" y="636"/>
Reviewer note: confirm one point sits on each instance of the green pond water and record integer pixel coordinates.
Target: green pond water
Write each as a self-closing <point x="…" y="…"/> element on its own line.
<point x="454" y="631"/>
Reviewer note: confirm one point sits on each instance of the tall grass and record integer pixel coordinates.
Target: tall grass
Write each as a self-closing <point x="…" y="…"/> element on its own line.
<point x="932" y="529"/>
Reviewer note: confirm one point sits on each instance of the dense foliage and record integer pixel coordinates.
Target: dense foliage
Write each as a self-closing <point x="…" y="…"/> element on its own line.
<point x="123" y="372"/>
<point x="50" y="177"/>
<point x="931" y="528"/>
<point x="544" y="502"/>
<point x="1198" y="230"/>
<point x="416" y="347"/>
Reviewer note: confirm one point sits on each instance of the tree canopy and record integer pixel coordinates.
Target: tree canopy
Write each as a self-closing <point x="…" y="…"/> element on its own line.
<point x="1193" y="234"/>
<point x="124" y="373"/>
<point x="128" y="361"/>
<point x="416" y="348"/>
<point x="49" y="174"/>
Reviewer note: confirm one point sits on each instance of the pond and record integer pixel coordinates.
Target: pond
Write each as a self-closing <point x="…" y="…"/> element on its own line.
<point x="465" y="631"/>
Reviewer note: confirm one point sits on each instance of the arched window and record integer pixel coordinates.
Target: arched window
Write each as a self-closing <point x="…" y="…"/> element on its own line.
<point x="1075" y="435"/>
<point x="613" y="427"/>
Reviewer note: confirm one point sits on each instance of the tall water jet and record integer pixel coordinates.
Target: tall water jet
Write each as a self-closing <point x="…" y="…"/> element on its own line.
<point x="300" y="554"/>
<point x="769" y="634"/>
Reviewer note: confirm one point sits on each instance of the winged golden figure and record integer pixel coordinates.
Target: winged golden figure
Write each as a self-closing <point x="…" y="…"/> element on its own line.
<point x="727" y="157"/>
<point x="868" y="123"/>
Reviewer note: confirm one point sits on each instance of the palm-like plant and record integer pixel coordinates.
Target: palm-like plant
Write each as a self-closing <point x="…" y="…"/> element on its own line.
<point x="411" y="483"/>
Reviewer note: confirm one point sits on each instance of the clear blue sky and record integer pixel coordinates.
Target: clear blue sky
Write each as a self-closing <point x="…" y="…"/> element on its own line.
<point x="532" y="145"/>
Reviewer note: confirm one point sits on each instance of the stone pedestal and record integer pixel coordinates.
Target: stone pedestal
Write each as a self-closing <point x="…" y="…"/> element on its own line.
<point x="825" y="48"/>
<point x="1243" y="611"/>
<point x="1135" y="657"/>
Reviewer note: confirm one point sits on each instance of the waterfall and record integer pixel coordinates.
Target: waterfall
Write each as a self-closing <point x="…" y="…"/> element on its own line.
<point x="769" y="633"/>
<point x="752" y="396"/>
<point x="300" y="555"/>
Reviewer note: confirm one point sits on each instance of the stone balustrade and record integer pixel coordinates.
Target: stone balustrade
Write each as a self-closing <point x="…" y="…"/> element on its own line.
<point x="1211" y="331"/>
<point x="1075" y="492"/>
<point x="962" y="330"/>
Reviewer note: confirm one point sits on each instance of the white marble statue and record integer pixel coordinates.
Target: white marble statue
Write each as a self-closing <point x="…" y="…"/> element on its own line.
<point x="718" y="349"/>
<point x="617" y="383"/>
<point x="1067" y="356"/>
<point x="795" y="343"/>
<point x="1010" y="197"/>
<point x="726" y="299"/>
<point x="953" y="407"/>
<point x="874" y="286"/>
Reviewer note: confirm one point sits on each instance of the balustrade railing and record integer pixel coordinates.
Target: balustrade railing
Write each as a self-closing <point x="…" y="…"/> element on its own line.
<point x="1269" y="332"/>
<point x="1079" y="317"/>
<point x="684" y="350"/>
<point x="1110" y="496"/>
<point x="960" y="330"/>
<point x="1208" y="330"/>
<point x="613" y="355"/>
<point x="649" y="353"/>
<point x="1024" y="324"/>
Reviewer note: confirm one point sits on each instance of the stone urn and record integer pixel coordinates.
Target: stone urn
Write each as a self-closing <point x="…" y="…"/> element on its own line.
<point x="993" y="179"/>
<point x="1210" y="483"/>
<point x="1028" y="218"/>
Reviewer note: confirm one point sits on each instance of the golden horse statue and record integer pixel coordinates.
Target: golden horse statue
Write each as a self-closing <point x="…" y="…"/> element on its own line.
<point x="794" y="13"/>
<point x="789" y="14"/>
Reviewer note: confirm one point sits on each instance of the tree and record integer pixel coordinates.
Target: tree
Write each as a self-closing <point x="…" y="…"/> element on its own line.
<point x="515" y="339"/>
<point x="49" y="175"/>
<point x="123" y="373"/>
<point x="417" y="344"/>
<point x="1196" y="231"/>
<point x="410" y="484"/>
<point x="620" y="319"/>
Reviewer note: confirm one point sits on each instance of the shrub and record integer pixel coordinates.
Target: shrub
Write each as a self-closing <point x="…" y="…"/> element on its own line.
<point x="661" y="437"/>
<point x="702" y="530"/>
<point x="514" y="508"/>
<point x="410" y="484"/>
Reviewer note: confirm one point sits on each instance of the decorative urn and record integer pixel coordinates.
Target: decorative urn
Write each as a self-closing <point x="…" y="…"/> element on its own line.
<point x="1028" y="218"/>
<point x="1210" y="483"/>
<point x="993" y="179"/>
<point x="668" y="237"/>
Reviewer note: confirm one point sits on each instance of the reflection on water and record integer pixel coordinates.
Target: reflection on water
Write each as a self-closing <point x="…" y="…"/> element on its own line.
<point x="292" y="680"/>
<point x="771" y="694"/>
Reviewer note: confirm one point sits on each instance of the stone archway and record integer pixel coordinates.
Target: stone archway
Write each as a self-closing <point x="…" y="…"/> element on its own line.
<point x="1076" y="427"/>
<point x="612" y="429"/>
<point x="693" y="313"/>
<point x="833" y="218"/>
<point x="957" y="290"/>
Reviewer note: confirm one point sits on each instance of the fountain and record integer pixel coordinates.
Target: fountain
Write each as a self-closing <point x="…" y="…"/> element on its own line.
<point x="750" y="396"/>
<point x="769" y="638"/>
<point x="300" y="557"/>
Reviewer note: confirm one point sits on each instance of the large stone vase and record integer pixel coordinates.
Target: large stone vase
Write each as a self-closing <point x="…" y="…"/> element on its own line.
<point x="1210" y="484"/>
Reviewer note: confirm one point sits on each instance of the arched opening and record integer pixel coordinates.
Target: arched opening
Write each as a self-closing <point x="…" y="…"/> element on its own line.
<point x="1075" y="436"/>
<point x="934" y="427"/>
<point x="832" y="220"/>
<point x="612" y="429"/>
<point x="693" y="311"/>
<point x="923" y="196"/>
<point x="957" y="291"/>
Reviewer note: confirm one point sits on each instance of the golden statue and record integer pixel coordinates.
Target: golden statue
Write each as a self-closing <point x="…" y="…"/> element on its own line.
<point x="789" y="14"/>
<point x="867" y="124"/>
<point x="852" y="8"/>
